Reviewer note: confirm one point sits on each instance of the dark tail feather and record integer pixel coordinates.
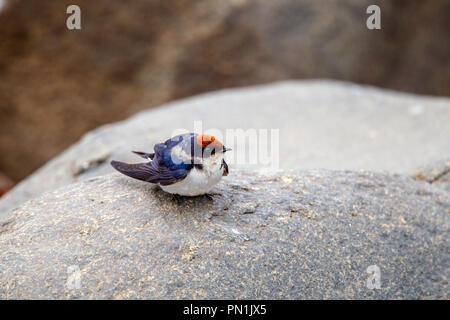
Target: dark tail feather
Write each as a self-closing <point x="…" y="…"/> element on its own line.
<point x="140" y="171"/>
<point x="148" y="156"/>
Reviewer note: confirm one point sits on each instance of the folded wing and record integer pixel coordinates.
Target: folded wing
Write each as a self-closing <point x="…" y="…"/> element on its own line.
<point x="160" y="170"/>
<point x="150" y="172"/>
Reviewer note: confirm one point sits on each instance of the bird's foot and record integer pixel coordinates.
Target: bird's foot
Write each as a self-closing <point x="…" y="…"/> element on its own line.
<point x="177" y="198"/>
<point x="210" y="196"/>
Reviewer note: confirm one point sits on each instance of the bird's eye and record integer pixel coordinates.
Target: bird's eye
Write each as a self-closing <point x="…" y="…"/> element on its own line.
<point x="208" y="151"/>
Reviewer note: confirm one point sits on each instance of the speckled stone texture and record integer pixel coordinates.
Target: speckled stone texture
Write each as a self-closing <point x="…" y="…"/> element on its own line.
<point x="323" y="124"/>
<point x="287" y="235"/>
<point x="437" y="173"/>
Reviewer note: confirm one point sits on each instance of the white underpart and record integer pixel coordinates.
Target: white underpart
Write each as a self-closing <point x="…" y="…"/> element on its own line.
<point x="199" y="181"/>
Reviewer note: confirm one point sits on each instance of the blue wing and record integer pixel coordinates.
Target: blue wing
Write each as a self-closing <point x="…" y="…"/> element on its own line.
<point x="161" y="170"/>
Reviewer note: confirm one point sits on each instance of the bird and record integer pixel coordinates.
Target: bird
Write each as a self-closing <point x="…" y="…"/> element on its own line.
<point x="189" y="164"/>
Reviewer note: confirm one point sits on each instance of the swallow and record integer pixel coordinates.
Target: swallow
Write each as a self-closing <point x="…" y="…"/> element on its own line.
<point x="189" y="164"/>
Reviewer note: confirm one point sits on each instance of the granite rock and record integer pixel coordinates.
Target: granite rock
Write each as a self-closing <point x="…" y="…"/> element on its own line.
<point x="322" y="124"/>
<point x="289" y="235"/>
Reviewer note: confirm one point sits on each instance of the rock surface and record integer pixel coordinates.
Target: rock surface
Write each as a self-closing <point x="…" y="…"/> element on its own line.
<point x="298" y="234"/>
<point x="437" y="173"/>
<point x="323" y="124"/>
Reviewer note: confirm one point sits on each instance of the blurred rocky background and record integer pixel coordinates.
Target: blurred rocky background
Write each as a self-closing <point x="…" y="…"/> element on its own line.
<point x="56" y="84"/>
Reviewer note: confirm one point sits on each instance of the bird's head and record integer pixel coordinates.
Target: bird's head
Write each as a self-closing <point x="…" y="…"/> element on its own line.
<point x="209" y="145"/>
<point x="195" y="147"/>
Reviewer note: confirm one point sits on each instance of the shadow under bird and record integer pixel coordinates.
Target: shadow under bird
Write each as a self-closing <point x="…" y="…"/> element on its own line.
<point x="189" y="164"/>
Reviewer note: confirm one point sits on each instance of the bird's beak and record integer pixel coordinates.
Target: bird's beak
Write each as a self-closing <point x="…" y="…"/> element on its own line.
<point x="226" y="149"/>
